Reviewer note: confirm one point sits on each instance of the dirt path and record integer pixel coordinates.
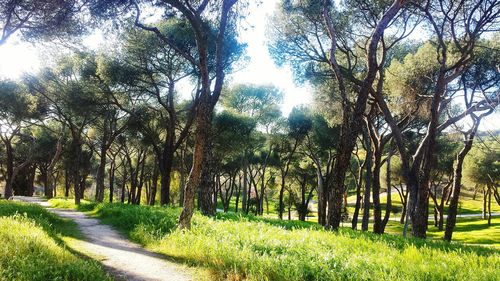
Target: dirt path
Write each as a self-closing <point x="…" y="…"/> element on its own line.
<point x="123" y="259"/>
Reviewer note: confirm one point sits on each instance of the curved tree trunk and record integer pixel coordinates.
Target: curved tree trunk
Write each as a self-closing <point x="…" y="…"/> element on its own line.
<point x="457" y="184"/>
<point x="353" y="123"/>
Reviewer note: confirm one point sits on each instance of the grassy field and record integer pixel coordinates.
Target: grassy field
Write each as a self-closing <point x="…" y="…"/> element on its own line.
<point x="467" y="230"/>
<point x="33" y="246"/>
<point x="248" y="248"/>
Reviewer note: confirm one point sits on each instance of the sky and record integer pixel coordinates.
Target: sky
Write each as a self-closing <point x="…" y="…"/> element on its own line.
<point x="17" y="57"/>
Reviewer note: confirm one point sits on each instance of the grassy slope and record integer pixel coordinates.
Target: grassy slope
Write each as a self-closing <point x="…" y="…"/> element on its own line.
<point x="33" y="248"/>
<point x="252" y="248"/>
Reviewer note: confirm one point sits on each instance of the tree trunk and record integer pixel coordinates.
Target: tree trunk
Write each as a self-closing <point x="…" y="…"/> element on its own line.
<point x="122" y="198"/>
<point x="388" y="206"/>
<point x="111" y="182"/>
<point x="359" y="182"/>
<point x="262" y="191"/>
<point x="76" y="186"/>
<point x="99" y="190"/>
<point x="9" y="175"/>
<point x="51" y="181"/>
<point x="182" y="183"/>
<point x="140" y="184"/>
<point x="281" y="207"/>
<point x="476" y="188"/>
<point x="202" y="131"/>
<point x="204" y="109"/>
<point x="489" y="205"/>
<point x="321" y="195"/>
<point x="167" y="159"/>
<point x="238" y="194"/>
<point x="77" y="149"/>
<point x="67" y="183"/>
<point x="368" y="180"/>
<point x="352" y="123"/>
<point x="31" y="180"/>
<point x="47" y="188"/>
<point x="457" y="184"/>
<point x="207" y="192"/>
<point x="154" y="186"/>
<point x="377" y="209"/>
<point x="244" y="201"/>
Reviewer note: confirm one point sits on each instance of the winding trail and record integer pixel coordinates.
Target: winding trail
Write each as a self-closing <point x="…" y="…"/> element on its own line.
<point x="123" y="259"/>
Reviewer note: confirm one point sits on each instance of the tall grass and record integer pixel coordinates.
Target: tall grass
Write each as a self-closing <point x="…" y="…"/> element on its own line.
<point x="31" y="248"/>
<point x="250" y="248"/>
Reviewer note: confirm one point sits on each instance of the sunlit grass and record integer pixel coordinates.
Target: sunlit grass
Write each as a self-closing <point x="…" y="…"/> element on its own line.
<point x="245" y="247"/>
<point x="32" y="247"/>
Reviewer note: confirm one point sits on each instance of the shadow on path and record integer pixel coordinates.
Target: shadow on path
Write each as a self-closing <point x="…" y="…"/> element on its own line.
<point x="125" y="260"/>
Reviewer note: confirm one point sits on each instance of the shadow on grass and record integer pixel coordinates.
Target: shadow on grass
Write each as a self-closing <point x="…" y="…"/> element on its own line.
<point x="55" y="226"/>
<point x="477" y="225"/>
<point x="160" y="221"/>
<point x="286" y="224"/>
<point x="50" y="223"/>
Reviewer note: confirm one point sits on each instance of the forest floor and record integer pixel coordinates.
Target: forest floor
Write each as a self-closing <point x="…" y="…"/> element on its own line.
<point x="123" y="259"/>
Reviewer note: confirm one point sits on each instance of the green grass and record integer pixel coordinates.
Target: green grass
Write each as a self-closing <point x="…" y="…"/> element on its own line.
<point x="250" y="248"/>
<point x="473" y="231"/>
<point x="33" y="247"/>
<point x="467" y="230"/>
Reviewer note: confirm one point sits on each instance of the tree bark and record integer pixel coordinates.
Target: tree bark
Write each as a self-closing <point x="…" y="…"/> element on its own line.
<point x="321" y="196"/>
<point x="111" y="181"/>
<point x="457" y="184"/>
<point x="359" y="183"/>
<point x="203" y="121"/>
<point x="388" y="206"/>
<point x="206" y="102"/>
<point x="67" y="183"/>
<point x="368" y="179"/>
<point x="353" y="124"/>
<point x="207" y="192"/>
<point x="154" y="187"/>
<point x="99" y="190"/>
<point x="101" y="169"/>
<point x="489" y="205"/>
<point x="376" y="186"/>
<point x="245" y="186"/>
<point x="9" y="175"/>
<point x="167" y="158"/>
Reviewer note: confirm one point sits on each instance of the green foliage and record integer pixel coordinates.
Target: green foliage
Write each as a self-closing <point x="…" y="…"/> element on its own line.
<point x="232" y="131"/>
<point x="446" y="151"/>
<point x="245" y="247"/>
<point x="15" y="104"/>
<point x="31" y="248"/>
<point x="482" y="166"/>
<point x="299" y="123"/>
<point x="36" y="19"/>
<point x="414" y="77"/>
<point x="300" y="40"/>
<point x="260" y="102"/>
